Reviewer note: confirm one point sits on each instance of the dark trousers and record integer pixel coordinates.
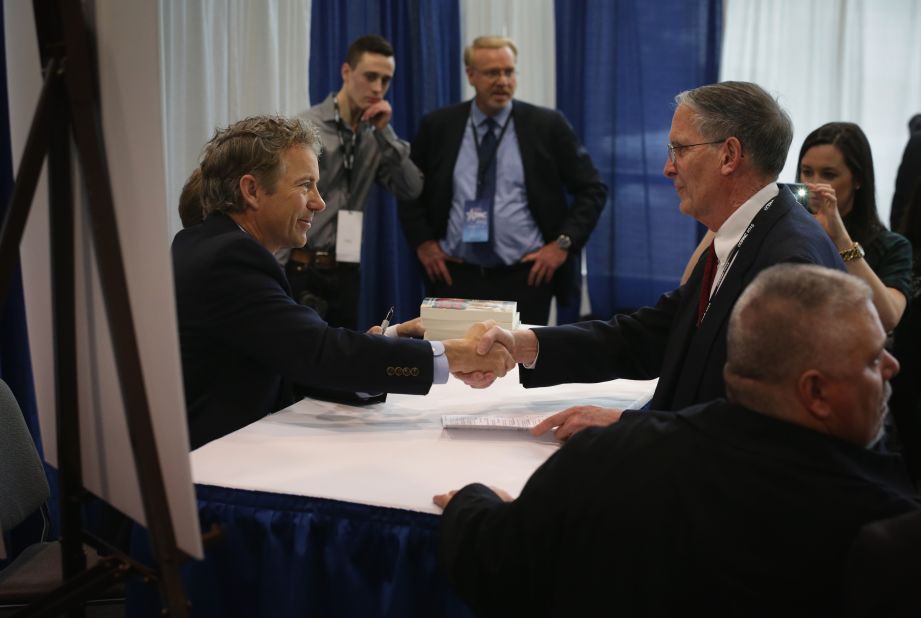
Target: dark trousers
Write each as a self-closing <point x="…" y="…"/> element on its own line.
<point x="499" y="283"/>
<point x="332" y="292"/>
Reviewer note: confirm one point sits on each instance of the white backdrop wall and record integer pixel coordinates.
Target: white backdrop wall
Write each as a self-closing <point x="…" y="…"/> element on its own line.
<point x="128" y="52"/>
<point x="224" y="60"/>
<point x="829" y="60"/>
<point x="531" y="24"/>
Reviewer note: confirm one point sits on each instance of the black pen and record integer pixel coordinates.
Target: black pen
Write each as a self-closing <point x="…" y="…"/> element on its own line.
<point x="386" y="321"/>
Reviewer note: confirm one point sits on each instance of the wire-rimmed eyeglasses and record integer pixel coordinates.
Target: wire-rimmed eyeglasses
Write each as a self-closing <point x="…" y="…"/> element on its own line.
<point x="495" y="74"/>
<point x="674" y="148"/>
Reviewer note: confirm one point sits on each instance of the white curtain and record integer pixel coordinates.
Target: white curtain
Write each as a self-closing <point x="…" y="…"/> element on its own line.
<point x="531" y="24"/>
<point x="224" y="60"/>
<point x="828" y="60"/>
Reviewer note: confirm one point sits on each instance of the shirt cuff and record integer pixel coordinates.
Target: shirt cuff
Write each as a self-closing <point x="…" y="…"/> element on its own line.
<point x="440" y="371"/>
<point x="533" y="363"/>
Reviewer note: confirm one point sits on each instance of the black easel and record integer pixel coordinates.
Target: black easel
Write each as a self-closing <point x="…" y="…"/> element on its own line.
<point x="69" y="104"/>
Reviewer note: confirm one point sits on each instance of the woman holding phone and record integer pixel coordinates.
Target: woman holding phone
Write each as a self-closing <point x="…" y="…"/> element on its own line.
<point x="836" y="165"/>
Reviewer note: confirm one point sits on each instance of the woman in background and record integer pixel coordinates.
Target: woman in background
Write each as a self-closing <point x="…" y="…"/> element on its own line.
<point x="836" y="164"/>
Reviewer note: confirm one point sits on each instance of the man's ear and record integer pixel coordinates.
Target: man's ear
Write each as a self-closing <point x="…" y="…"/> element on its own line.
<point x="345" y="71"/>
<point x="730" y="155"/>
<point x="469" y="72"/>
<point x="250" y="190"/>
<point x="812" y="391"/>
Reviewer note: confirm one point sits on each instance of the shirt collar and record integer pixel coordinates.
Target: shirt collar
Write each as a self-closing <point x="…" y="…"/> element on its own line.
<point x="479" y="117"/>
<point x="731" y="231"/>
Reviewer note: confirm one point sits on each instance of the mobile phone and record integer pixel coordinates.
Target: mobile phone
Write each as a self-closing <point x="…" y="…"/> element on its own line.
<point x="800" y="194"/>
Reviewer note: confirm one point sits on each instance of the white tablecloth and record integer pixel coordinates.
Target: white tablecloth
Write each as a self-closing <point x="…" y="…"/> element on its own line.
<point x="396" y="454"/>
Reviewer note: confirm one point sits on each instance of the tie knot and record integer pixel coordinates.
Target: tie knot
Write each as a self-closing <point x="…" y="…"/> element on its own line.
<point x="490" y="124"/>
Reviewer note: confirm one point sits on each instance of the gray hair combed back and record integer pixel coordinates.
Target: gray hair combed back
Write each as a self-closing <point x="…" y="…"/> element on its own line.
<point x="789" y="319"/>
<point x="254" y="146"/>
<point x="749" y="113"/>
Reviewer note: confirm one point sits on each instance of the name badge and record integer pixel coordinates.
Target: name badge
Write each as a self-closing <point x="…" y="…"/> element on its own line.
<point x="476" y="220"/>
<point x="348" y="236"/>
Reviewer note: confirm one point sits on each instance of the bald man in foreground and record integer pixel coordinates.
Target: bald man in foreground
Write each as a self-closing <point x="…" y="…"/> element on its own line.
<point x="745" y="506"/>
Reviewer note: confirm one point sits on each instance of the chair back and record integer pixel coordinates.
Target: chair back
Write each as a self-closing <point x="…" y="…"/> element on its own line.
<point x="23" y="485"/>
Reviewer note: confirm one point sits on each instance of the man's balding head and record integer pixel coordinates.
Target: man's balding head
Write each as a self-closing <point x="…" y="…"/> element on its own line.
<point x="805" y="345"/>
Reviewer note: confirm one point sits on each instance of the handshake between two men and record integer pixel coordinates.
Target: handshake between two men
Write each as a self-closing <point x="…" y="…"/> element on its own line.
<point x="496" y="351"/>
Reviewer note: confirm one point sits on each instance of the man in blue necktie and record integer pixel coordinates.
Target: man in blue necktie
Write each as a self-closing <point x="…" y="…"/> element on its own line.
<point x="494" y="221"/>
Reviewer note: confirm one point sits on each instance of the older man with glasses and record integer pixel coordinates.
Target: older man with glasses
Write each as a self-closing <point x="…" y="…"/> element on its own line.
<point x="728" y="143"/>
<point x="493" y="219"/>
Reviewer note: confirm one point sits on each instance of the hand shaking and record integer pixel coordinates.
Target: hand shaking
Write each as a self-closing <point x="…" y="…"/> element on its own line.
<point x="470" y="356"/>
<point x="520" y="344"/>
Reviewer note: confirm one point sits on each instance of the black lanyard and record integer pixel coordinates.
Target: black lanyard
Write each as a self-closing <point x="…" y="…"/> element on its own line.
<point x="483" y="165"/>
<point x="732" y="254"/>
<point x="347" y="139"/>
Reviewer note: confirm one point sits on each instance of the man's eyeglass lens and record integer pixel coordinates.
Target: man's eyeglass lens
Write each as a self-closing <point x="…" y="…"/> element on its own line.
<point x="673" y="148"/>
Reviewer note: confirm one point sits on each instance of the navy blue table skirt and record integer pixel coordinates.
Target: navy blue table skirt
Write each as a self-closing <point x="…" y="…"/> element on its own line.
<point x="287" y="555"/>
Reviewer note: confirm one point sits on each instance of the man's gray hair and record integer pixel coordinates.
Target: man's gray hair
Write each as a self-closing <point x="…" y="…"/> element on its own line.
<point x="745" y="111"/>
<point x="789" y="319"/>
<point x="251" y="146"/>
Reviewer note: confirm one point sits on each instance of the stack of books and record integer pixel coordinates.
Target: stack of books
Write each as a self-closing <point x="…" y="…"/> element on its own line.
<point x="450" y="318"/>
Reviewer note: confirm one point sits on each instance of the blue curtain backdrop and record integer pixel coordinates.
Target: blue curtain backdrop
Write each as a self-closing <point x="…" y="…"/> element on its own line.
<point x="15" y="364"/>
<point x="619" y="66"/>
<point x="426" y="38"/>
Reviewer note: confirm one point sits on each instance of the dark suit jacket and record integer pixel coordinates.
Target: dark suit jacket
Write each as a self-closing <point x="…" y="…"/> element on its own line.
<point x="554" y="162"/>
<point x="244" y="340"/>
<point x="714" y="510"/>
<point x="664" y="341"/>
<point x="884" y="569"/>
<point x="907" y="180"/>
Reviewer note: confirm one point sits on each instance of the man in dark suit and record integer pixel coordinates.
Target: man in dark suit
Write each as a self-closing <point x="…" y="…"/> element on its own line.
<point x="884" y="568"/>
<point x="244" y="339"/>
<point x="493" y="221"/>
<point x="745" y="507"/>
<point x="727" y="144"/>
<point x="908" y="178"/>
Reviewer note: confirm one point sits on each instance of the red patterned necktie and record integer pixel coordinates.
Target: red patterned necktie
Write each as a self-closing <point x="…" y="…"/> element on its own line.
<point x="707" y="283"/>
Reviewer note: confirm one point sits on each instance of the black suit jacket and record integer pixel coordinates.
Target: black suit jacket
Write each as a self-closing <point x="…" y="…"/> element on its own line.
<point x="907" y="181"/>
<point x="714" y="510"/>
<point x="884" y="568"/>
<point x="553" y="160"/>
<point x="664" y="341"/>
<point x="244" y="340"/>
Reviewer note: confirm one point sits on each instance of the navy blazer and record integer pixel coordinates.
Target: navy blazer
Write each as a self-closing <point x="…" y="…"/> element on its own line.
<point x="245" y="341"/>
<point x="664" y="341"/>
<point x="554" y="162"/>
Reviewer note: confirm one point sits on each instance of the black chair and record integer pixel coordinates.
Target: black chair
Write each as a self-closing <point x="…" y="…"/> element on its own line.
<point x="37" y="570"/>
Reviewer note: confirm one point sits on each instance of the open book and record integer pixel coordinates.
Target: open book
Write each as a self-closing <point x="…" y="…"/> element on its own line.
<point x="524" y="422"/>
